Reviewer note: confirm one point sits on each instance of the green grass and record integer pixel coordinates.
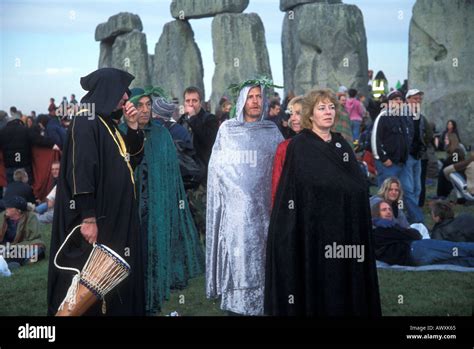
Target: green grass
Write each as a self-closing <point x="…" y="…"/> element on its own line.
<point x="430" y="293"/>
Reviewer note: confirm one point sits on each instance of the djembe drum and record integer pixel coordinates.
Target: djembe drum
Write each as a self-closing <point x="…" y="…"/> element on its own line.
<point x="103" y="271"/>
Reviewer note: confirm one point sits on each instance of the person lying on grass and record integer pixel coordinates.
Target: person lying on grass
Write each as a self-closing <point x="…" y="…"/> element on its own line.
<point x="405" y="246"/>
<point x="450" y="227"/>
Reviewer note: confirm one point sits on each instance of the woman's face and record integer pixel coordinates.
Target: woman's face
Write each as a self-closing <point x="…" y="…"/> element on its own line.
<point x="393" y="192"/>
<point x="295" y="118"/>
<point x="227" y="108"/>
<point x="324" y="114"/>
<point x="450" y="126"/>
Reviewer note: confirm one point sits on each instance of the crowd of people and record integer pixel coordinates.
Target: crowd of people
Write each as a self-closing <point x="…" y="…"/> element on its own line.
<point x="271" y="200"/>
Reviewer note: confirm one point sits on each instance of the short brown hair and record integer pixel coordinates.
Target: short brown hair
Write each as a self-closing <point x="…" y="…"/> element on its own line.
<point x="193" y="89"/>
<point x="442" y="209"/>
<point x="312" y="98"/>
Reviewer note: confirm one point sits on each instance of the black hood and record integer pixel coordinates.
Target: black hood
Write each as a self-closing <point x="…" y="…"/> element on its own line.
<point x="106" y="87"/>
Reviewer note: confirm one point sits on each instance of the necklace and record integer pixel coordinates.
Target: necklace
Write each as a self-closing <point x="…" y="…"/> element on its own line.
<point x="122" y="150"/>
<point x="327" y="137"/>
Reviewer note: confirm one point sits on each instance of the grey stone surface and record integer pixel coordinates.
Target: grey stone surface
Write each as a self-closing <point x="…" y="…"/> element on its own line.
<point x="151" y="66"/>
<point x="185" y="9"/>
<point x="177" y="60"/>
<point x="105" y="55"/>
<point x="291" y="49"/>
<point x="240" y="51"/>
<point x="441" y="57"/>
<point x="286" y="5"/>
<point x="130" y="53"/>
<point x="118" y="24"/>
<point x="330" y="50"/>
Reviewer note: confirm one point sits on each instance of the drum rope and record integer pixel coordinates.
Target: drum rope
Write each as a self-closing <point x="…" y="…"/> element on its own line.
<point x="72" y="291"/>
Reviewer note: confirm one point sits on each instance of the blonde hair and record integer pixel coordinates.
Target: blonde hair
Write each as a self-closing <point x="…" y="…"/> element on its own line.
<point x="385" y="187"/>
<point x="295" y="100"/>
<point x="312" y="98"/>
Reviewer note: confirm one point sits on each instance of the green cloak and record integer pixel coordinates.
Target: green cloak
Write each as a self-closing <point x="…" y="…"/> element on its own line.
<point x="173" y="251"/>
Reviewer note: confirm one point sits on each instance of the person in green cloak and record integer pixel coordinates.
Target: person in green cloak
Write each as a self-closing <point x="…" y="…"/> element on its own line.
<point x="173" y="252"/>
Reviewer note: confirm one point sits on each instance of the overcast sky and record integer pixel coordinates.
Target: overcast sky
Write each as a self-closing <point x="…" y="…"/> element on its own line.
<point x="46" y="46"/>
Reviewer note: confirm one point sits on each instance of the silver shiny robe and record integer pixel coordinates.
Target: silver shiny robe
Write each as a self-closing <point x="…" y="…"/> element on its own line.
<point x="238" y="213"/>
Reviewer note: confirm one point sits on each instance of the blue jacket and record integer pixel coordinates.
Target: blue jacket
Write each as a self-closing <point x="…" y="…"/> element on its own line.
<point x="56" y="132"/>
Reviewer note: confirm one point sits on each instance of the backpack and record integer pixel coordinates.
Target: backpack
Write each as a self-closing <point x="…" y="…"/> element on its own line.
<point x="191" y="167"/>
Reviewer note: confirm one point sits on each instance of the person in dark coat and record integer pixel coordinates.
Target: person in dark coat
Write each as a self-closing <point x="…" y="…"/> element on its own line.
<point x="53" y="129"/>
<point x="16" y="141"/>
<point x="96" y="190"/>
<point x="201" y="125"/>
<point x="19" y="187"/>
<point x="448" y="227"/>
<point x="320" y="258"/>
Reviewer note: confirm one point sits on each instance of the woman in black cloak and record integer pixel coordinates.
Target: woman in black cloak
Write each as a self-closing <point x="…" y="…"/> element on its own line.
<point x="96" y="189"/>
<point x="320" y="257"/>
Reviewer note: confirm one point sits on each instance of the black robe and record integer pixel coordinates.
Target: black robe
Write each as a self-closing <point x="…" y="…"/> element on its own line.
<point x="321" y="199"/>
<point x="95" y="180"/>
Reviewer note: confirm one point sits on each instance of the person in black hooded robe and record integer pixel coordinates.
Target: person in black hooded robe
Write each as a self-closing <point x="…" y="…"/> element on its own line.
<point x="96" y="189"/>
<point x="320" y="257"/>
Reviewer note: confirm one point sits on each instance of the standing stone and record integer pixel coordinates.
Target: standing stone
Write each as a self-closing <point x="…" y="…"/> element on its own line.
<point x="151" y="66"/>
<point x="130" y="53"/>
<point x="286" y="5"/>
<point x="441" y="57"/>
<point x="177" y="62"/>
<point x="291" y="48"/>
<point x="186" y="9"/>
<point x="333" y="48"/>
<point x="105" y="55"/>
<point x="240" y="51"/>
<point x="116" y="25"/>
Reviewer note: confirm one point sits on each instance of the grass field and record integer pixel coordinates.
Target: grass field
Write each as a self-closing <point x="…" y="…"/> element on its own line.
<point x="433" y="293"/>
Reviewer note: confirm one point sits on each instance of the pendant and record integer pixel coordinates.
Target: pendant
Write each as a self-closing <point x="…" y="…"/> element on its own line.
<point x="338" y="145"/>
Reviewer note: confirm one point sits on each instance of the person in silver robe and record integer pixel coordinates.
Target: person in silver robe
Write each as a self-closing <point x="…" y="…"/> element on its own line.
<point x="239" y="203"/>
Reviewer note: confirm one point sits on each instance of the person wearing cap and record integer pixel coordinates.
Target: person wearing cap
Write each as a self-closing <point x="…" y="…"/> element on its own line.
<point x="411" y="174"/>
<point x="173" y="251"/>
<point x="192" y="169"/>
<point x="19" y="232"/>
<point x="390" y="139"/>
<point x="162" y="113"/>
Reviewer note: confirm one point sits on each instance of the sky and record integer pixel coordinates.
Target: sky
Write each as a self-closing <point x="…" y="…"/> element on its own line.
<point x="47" y="45"/>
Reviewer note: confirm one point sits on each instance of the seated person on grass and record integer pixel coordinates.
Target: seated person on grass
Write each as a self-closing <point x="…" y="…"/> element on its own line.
<point x="20" y="238"/>
<point x="46" y="213"/>
<point x="19" y="187"/>
<point x="404" y="246"/>
<point x="448" y="227"/>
